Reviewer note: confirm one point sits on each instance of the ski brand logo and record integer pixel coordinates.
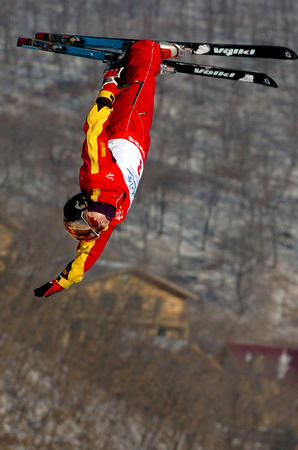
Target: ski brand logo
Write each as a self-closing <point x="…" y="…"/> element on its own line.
<point x="234" y="51"/>
<point x="214" y="73"/>
<point x="202" y="49"/>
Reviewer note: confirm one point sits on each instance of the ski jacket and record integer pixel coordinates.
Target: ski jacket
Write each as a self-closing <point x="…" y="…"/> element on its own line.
<point x="115" y="149"/>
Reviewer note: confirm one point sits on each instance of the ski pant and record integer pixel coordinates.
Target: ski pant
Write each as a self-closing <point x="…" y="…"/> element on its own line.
<point x="133" y="108"/>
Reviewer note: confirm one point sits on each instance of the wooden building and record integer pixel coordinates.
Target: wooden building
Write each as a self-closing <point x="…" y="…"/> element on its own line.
<point x="154" y="305"/>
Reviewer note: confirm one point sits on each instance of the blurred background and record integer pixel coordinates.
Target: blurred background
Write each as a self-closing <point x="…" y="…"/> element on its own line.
<point x="184" y="334"/>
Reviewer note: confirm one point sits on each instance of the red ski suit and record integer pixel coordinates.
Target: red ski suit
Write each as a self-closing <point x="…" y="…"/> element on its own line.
<point x="115" y="149"/>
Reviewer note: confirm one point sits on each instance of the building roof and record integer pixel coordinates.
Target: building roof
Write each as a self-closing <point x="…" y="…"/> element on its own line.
<point x="153" y="279"/>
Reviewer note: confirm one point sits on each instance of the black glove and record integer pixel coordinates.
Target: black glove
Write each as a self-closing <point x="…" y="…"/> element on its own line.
<point x="48" y="289"/>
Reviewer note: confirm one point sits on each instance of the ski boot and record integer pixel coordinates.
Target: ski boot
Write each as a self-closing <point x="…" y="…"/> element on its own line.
<point x="170" y="50"/>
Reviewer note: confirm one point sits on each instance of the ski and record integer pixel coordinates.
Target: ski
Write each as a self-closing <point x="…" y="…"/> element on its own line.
<point x="168" y="66"/>
<point x="171" y="66"/>
<point x="99" y="55"/>
<point x="195" y="48"/>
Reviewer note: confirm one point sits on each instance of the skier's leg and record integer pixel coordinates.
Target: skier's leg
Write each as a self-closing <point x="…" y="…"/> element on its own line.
<point x="143" y="61"/>
<point x="133" y="108"/>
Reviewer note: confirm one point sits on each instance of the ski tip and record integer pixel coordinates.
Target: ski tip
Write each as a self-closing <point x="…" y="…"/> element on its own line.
<point x="268" y="81"/>
<point x="290" y="54"/>
<point x="274" y="84"/>
<point x="259" y="78"/>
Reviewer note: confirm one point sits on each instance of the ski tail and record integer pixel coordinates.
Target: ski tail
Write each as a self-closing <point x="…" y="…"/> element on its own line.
<point x="54" y="47"/>
<point x="103" y="43"/>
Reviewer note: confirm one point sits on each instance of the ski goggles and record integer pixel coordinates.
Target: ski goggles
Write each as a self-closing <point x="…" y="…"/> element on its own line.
<point x="81" y="230"/>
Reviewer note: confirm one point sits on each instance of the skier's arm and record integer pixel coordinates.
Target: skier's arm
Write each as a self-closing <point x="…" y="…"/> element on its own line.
<point x="86" y="255"/>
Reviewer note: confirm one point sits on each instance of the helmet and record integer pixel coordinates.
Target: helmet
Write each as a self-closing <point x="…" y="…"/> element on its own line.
<point x="75" y="220"/>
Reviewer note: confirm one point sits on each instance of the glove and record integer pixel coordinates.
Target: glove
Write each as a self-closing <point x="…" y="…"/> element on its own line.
<point x="48" y="289"/>
<point x="111" y="80"/>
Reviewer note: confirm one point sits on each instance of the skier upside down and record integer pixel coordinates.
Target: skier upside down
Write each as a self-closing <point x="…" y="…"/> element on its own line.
<point x="114" y="152"/>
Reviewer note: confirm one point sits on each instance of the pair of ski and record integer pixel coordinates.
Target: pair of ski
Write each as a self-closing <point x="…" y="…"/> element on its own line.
<point x="108" y="50"/>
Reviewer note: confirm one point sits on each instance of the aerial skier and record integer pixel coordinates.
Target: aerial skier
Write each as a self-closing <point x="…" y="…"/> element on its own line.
<point x="117" y="128"/>
<point x="114" y="152"/>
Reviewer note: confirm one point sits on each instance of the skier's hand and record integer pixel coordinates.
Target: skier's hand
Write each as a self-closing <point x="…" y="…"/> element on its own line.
<point x="111" y="80"/>
<point x="48" y="289"/>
